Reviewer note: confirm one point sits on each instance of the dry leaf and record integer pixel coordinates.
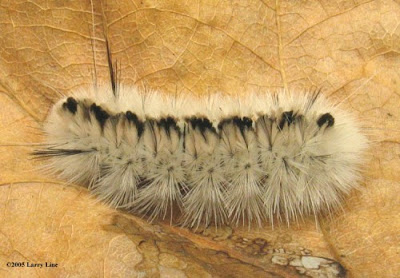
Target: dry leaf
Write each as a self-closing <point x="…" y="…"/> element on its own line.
<point x="349" y="48"/>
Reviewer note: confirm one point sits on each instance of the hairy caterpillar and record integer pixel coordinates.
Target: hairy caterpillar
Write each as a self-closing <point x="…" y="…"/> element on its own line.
<point x="218" y="159"/>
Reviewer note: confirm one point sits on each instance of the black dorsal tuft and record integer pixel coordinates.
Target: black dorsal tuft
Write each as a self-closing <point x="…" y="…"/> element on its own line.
<point x="100" y="114"/>
<point x="326" y="118"/>
<point x="202" y="124"/>
<point x="167" y="124"/>
<point x="133" y="118"/>
<point x="71" y="104"/>
<point x="242" y="123"/>
<point x="287" y="117"/>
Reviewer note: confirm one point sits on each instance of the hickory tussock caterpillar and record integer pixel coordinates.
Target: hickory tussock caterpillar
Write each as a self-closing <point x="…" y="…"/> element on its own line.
<point x="218" y="159"/>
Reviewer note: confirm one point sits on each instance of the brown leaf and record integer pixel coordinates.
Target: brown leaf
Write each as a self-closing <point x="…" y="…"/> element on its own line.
<point x="349" y="48"/>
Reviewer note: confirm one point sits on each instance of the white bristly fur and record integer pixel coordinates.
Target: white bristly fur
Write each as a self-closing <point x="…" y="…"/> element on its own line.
<point x="281" y="163"/>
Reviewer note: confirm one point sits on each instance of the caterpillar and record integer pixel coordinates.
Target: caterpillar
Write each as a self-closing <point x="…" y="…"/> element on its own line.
<point x="218" y="159"/>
